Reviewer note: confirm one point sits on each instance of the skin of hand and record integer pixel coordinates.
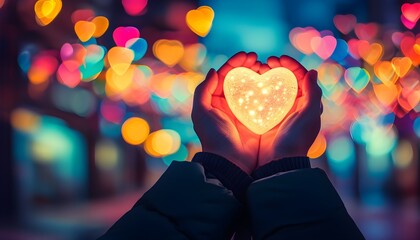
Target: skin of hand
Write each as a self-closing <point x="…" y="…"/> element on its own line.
<point x="217" y="128"/>
<point x="294" y="135"/>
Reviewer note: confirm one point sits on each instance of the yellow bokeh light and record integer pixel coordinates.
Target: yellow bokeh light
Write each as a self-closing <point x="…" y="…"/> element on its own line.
<point x="106" y="154"/>
<point x="119" y="83"/>
<point x="318" y="146"/>
<point x="120" y="59"/>
<point x="200" y="20"/>
<point x="403" y="154"/>
<point x="260" y="102"/>
<point x="162" y="142"/>
<point x="169" y="52"/>
<point x="135" y="130"/>
<point x="46" y="11"/>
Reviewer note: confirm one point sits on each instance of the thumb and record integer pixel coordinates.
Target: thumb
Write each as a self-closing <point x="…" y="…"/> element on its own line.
<point x="310" y="89"/>
<point x="203" y="93"/>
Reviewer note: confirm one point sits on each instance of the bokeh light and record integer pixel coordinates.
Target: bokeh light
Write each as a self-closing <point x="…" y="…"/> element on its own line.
<point x="135" y="130"/>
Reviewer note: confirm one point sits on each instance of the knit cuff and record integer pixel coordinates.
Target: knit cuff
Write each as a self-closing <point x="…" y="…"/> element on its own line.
<point x="230" y="175"/>
<point x="281" y="165"/>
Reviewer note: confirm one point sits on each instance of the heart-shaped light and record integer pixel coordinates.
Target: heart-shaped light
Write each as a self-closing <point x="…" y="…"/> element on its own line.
<point x="345" y="23"/>
<point x="357" y="78"/>
<point x="101" y="24"/>
<point x="324" y="46"/>
<point x="46" y="11"/>
<point x="200" y="20"/>
<point x="260" y="102"/>
<point x="169" y="52"/>
<point x="84" y="30"/>
<point x="122" y="34"/>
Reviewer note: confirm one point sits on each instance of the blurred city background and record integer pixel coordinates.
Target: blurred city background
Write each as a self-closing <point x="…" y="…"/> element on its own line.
<point x="95" y="102"/>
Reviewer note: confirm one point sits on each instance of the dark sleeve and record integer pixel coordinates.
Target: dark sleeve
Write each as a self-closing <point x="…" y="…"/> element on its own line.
<point x="183" y="204"/>
<point x="299" y="204"/>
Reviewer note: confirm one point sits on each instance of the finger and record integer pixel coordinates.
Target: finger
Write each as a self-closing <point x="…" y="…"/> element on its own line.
<point x="311" y="91"/>
<point x="203" y="93"/>
<point x="236" y="60"/>
<point x="251" y="58"/>
<point x="273" y="62"/>
<point x="294" y="66"/>
<point x="264" y="68"/>
<point x="321" y="108"/>
<point x="256" y="66"/>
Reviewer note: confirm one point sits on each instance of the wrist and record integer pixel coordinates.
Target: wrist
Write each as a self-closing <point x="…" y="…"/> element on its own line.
<point x="281" y="165"/>
<point x="270" y="157"/>
<point x="232" y="159"/>
<point x="230" y="175"/>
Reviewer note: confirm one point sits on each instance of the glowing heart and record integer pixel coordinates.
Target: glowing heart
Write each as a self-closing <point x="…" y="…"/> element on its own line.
<point x="84" y="30"/>
<point x="122" y="34"/>
<point x="200" y="20"/>
<point x="260" y="102"/>
<point x="345" y="23"/>
<point x="101" y="24"/>
<point x="170" y="52"/>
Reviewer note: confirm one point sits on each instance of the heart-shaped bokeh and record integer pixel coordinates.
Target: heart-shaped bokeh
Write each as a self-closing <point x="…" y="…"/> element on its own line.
<point x="84" y="30"/>
<point x="345" y="23"/>
<point x="200" y="20"/>
<point x="260" y="102"/>
<point x="169" y="52"/>
<point x="122" y="34"/>
<point x="138" y="46"/>
<point x="357" y="78"/>
<point x="46" y="11"/>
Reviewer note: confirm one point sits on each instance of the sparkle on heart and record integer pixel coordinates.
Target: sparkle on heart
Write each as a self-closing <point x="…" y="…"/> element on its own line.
<point x="200" y="20"/>
<point x="260" y="102"/>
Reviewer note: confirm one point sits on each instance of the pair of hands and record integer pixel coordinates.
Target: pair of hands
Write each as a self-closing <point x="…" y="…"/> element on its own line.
<point x="221" y="133"/>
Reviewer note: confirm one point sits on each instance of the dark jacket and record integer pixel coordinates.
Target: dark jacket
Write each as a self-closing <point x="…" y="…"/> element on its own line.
<point x="188" y="202"/>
